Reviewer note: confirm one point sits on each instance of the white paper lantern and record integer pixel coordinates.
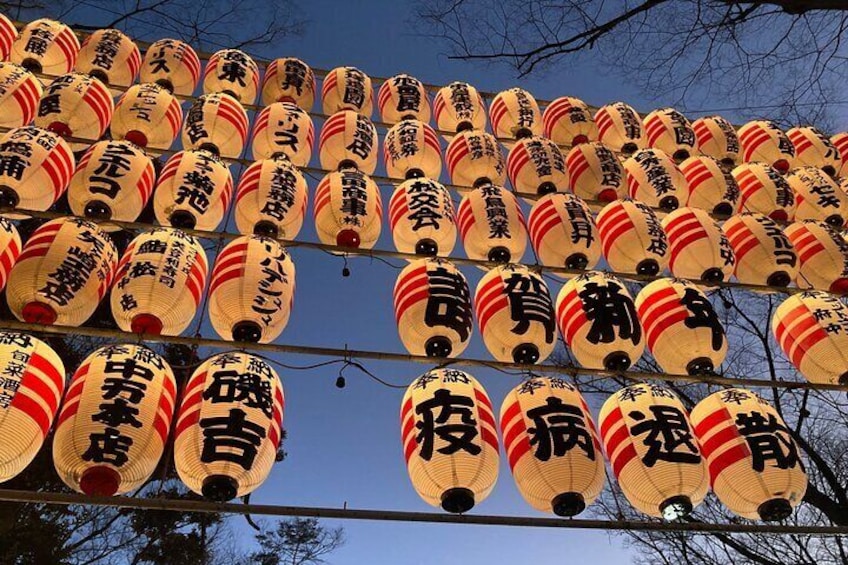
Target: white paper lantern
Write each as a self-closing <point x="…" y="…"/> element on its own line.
<point x="232" y="72"/>
<point x="75" y="105"/>
<point x="474" y="158"/>
<point x="35" y="168"/>
<point x="669" y="131"/>
<point x="20" y="92"/>
<point x="632" y="237"/>
<point x="822" y="256"/>
<point x="271" y="199"/>
<point x="568" y="121"/>
<point x="403" y="97"/>
<point x="699" y="247"/>
<point x="818" y="197"/>
<point x="411" y="149"/>
<point x="216" y="122"/>
<point x="46" y="46"/>
<point x="563" y="232"/>
<point x="422" y="218"/>
<point x="348" y="210"/>
<point x="459" y="107"/>
<point x="653" y="178"/>
<point x="289" y="80"/>
<point x="814" y="149"/>
<point x="535" y="165"/>
<point x="711" y="188"/>
<point x="283" y="129"/>
<point x="172" y="64"/>
<point x="348" y="139"/>
<point x="595" y="173"/>
<point x="492" y="225"/>
<point x="147" y="115"/>
<point x="620" y="128"/>
<point x="763" y="189"/>
<point x="111" y="57"/>
<point x="762" y="140"/>
<point x="717" y="138"/>
<point x="347" y="88"/>
<point x="764" y="255"/>
<point x="515" y="114"/>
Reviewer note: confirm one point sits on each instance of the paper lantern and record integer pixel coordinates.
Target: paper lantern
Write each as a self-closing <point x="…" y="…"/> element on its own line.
<point x="433" y="308"/>
<point x="515" y="115"/>
<point x="597" y="318"/>
<point x="147" y="115"/>
<point x="681" y="327"/>
<point x="62" y="273"/>
<point x="711" y="188"/>
<point x="160" y="282"/>
<point x="114" y="423"/>
<point x="632" y="238"/>
<point x="422" y="218"/>
<point x="20" y="92"/>
<point x="173" y="65"/>
<point x="33" y="383"/>
<point x="283" y="129"/>
<point x="535" y="165"/>
<point x="753" y="461"/>
<point x="347" y="88"/>
<point x="193" y="191"/>
<point x="218" y="123"/>
<point x="764" y="255"/>
<point x="840" y="141"/>
<point x="271" y="199"/>
<point x="10" y="249"/>
<point x="568" y="121"/>
<point x="8" y="34"/>
<point x="449" y="439"/>
<point x="563" y="232"/>
<point x="515" y="315"/>
<point x="595" y="173"/>
<point x="716" y="138"/>
<point x="653" y="451"/>
<point x="699" y="247"/>
<point x="818" y="197"/>
<point x="411" y="149"/>
<point x="111" y="57"/>
<point x="762" y="140"/>
<point x="75" y="105"/>
<point x="620" y="128"/>
<point x="552" y="446"/>
<point x="492" y="225"/>
<point x="45" y="46"/>
<point x="814" y="149"/>
<point x="232" y="72"/>
<point x="812" y="330"/>
<point x="474" y="158"/>
<point x="822" y="256"/>
<point x="669" y="131"/>
<point x="348" y="140"/>
<point x="403" y="97"/>
<point x="653" y="178"/>
<point x="289" y="80"/>
<point x="459" y="107"/>
<point x="763" y="189"/>
<point x="348" y="210"/>
<point x="228" y="426"/>
<point x="113" y="181"/>
<point x="35" y="168"/>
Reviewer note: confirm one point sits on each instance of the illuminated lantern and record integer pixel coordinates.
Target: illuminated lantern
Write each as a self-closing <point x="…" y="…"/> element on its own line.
<point x="232" y="72"/>
<point x="411" y="149"/>
<point x="19" y="96"/>
<point x="818" y="197"/>
<point x="669" y="131"/>
<point x="699" y="247"/>
<point x="552" y="446"/>
<point x="347" y="88"/>
<point x="433" y="308"/>
<point x="111" y="57"/>
<point x="63" y="271"/>
<point x="764" y="255"/>
<point x="76" y="105"/>
<point x="595" y="173"/>
<point x="812" y="330"/>
<point x="403" y="97"/>
<point x="653" y="178"/>
<point x="271" y="199"/>
<point x="515" y="115"/>
<point x="717" y="138"/>
<point x="568" y="121"/>
<point x="632" y="238"/>
<point x="348" y="140"/>
<point x="46" y="46"/>
<point x="474" y="158"/>
<point x="459" y="107"/>
<point x="209" y="459"/>
<point x="620" y="128"/>
<point x="752" y="457"/>
<point x="10" y="249"/>
<point x="114" y="423"/>
<point x="251" y="290"/>
<point x="840" y="141"/>
<point x="762" y="140"/>
<point x="822" y="255"/>
<point x="449" y="439"/>
<point x="289" y="80"/>
<point x="711" y="188"/>
<point x="563" y="232"/>
<point x="216" y="122"/>
<point x="40" y="165"/>
<point x="422" y="218"/>
<point x="763" y="189"/>
<point x="113" y="181"/>
<point x="653" y="451"/>
<point x="147" y="115"/>
<point x="492" y="225"/>
<point x="535" y="165"/>
<point x="8" y="34"/>
<point x="172" y="64"/>
<point x="515" y="315"/>
<point x="814" y="149"/>
<point x="597" y="318"/>
<point x="348" y="210"/>
<point x="283" y="129"/>
<point x="160" y="282"/>
<point x="193" y="191"/>
<point x="681" y="327"/>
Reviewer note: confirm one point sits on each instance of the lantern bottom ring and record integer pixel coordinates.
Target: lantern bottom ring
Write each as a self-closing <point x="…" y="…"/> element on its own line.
<point x="38" y="313"/>
<point x="676" y="507"/>
<point x="680" y="155"/>
<point x="617" y="361"/>
<point x="8" y="197"/>
<point x="219" y="488"/>
<point x="629" y="148"/>
<point x="834" y="220"/>
<point x="648" y="267"/>
<point x="774" y="510"/>
<point x="438" y="346"/>
<point x="183" y="219"/>
<point x="426" y="247"/>
<point x="97" y="210"/>
<point x="669" y="203"/>
<point x="525" y="354"/>
<point x="546" y="188"/>
<point x="457" y="500"/>
<point x="247" y="331"/>
<point x="779" y="278"/>
<point x="700" y="366"/>
<point x="576" y="261"/>
<point x="264" y="228"/>
<point x="32" y="65"/>
<point x="99" y="75"/>
<point x="724" y="209"/>
<point x="499" y="254"/>
<point x="712" y="275"/>
<point x="829" y="170"/>
<point x="568" y="504"/>
<point x="100" y="480"/>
